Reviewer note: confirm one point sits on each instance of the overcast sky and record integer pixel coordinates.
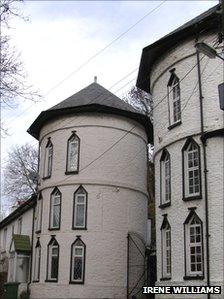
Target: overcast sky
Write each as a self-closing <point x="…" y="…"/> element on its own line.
<point x="61" y="36"/>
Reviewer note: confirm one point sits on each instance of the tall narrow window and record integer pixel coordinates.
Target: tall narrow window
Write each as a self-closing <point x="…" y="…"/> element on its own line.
<point x="80" y="208"/>
<point x="38" y="216"/>
<point x="77" y="271"/>
<point x="174" y="99"/>
<point x="53" y="260"/>
<point x="73" y="147"/>
<point x="166" y="248"/>
<point x="55" y="209"/>
<point x="48" y="159"/>
<point x="37" y="258"/>
<point x="165" y="178"/>
<point x="193" y="246"/>
<point x="19" y="228"/>
<point x="191" y="169"/>
<point x="4" y="241"/>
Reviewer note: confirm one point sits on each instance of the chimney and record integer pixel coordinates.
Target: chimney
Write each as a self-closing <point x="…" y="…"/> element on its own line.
<point x="95" y="79"/>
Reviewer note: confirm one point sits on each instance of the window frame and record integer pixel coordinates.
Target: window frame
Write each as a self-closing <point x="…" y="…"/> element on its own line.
<point x="165" y="227"/>
<point x="47" y="169"/>
<point x="76" y="194"/>
<point x="81" y="281"/>
<point x="51" y="210"/>
<point x="163" y="202"/>
<point x="185" y="171"/>
<point x="189" y="274"/>
<point x="39" y="211"/>
<point x="50" y="246"/>
<point x="38" y="246"/>
<point x="19" y="226"/>
<point x="173" y="83"/>
<point x="68" y="171"/>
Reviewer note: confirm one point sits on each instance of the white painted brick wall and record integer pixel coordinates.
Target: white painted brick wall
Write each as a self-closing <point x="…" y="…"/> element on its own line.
<point x="174" y="140"/>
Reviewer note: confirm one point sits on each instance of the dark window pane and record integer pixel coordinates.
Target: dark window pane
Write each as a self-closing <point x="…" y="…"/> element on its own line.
<point x="77" y="273"/>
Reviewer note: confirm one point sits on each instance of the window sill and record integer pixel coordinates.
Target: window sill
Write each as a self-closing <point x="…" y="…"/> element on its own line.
<point x="56" y="228"/>
<point x="174" y="125"/>
<point x="46" y="177"/>
<point x="165" y="278"/>
<point x="76" y="282"/>
<point x="79" y="228"/>
<point x="35" y="281"/>
<point x="38" y="231"/>
<point x="192" y="198"/>
<point x="71" y="172"/>
<point x="197" y="277"/>
<point x="49" y="280"/>
<point x="164" y="205"/>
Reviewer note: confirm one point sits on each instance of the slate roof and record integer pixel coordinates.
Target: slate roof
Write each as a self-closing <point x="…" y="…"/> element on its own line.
<point x="19" y="211"/>
<point x="21" y="243"/>
<point x="93" y="98"/>
<point x="207" y="21"/>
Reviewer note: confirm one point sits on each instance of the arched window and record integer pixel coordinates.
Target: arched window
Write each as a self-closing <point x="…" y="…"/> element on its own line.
<point x="166" y="248"/>
<point x="52" y="260"/>
<point x="191" y="170"/>
<point x="55" y="210"/>
<point x="165" y="178"/>
<point x="80" y="208"/>
<point x="48" y="159"/>
<point x="78" y="252"/>
<point x="174" y="99"/>
<point x="37" y="258"/>
<point x="193" y="246"/>
<point x="38" y="214"/>
<point x="73" y="148"/>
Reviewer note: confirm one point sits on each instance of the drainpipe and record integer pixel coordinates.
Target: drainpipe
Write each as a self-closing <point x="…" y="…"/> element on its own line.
<point x="128" y="243"/>
<point x="205" y="174"/>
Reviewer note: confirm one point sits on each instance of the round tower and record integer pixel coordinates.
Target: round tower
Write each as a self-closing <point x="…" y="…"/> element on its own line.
<point x="189" y="151"/>
<point x="92" y="192"/>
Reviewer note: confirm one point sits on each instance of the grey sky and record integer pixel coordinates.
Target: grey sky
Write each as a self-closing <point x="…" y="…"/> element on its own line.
<point x="61" y="35"/>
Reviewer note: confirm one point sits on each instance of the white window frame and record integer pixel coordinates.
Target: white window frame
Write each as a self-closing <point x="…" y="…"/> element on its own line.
<point x="73" y="141"/>
<point x="53" y="245"/>
<point x="166" y="251"/>
<point x="174" y="100"/>
<point x="80" y="194"/>
<point x="165" y="166"/>
<point x="78" y="244"/>
<point x="38" y="217"/>
<point x="37" y="260"/>
<point x="55" y="202"/>
<point x="48" y="159"/>
<point x="13" y="267"/>
<point x="192" y="158"/>
<point x="192" y="243"/>
<point x="19" y="226"/>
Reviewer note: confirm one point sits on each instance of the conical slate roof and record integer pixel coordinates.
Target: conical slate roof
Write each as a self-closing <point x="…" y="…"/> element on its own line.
<point x="93" y="98"/>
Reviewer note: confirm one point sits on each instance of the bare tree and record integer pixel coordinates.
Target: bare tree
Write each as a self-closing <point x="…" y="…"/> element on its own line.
<point x="13" y="85"/>
<point x="141" y="100"/>
<point x="20" y="175"/>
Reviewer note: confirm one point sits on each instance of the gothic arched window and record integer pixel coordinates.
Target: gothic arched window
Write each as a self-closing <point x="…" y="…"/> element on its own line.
<point x="78" y="252"/>
<point x="52" y="260"/>
<point x="191" y="170"/>
<point x="80" y="208"/>
<point x="174" y="99"/>
<point x="73" y="148"/>
<point x="166" y="248"/>
<point x="193" y="230"/>
<point x="165" y="178"/>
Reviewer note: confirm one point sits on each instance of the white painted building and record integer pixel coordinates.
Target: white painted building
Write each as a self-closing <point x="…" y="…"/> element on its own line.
<point x="92" y="193"/>
<point x="189" y="154"/>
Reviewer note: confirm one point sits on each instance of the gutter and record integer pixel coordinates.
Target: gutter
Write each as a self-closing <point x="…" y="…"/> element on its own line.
<point x="205" y="173"/>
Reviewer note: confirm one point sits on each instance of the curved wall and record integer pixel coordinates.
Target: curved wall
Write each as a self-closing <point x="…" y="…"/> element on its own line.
<point x="117" y="202"/>
<point x="183" y="59"/>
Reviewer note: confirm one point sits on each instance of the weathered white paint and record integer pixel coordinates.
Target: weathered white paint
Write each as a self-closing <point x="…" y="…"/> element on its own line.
<point x="183" y="58"/>
<point x="117" y="202"/>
